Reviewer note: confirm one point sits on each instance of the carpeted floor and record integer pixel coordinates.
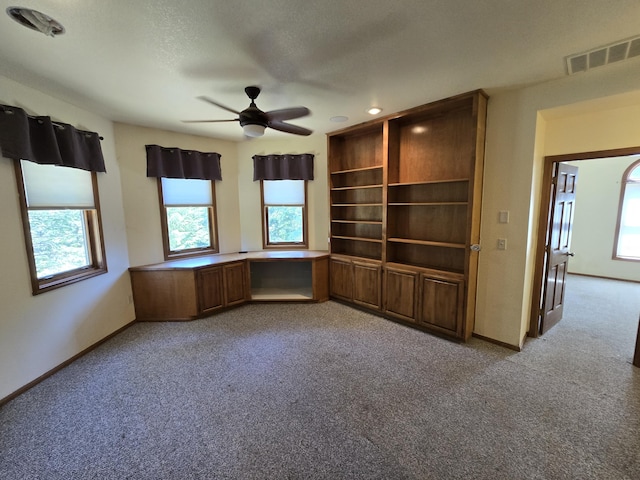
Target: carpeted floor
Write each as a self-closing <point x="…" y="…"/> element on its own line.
<point x="324" y="391"/>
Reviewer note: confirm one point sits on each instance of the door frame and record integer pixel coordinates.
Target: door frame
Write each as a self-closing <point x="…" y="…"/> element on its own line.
<point x="544" y="216"/>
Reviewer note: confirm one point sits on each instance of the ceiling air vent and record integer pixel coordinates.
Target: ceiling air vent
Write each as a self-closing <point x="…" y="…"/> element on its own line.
<point x="598" y="57"/>
<point x="36" y="20"/>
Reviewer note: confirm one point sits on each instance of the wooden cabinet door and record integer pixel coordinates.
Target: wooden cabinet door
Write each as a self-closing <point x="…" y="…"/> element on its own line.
<point x="341" y="279"/>
<point x="400" y="293"/>
<point x="366" y="284"/>
<point x="210" y="289"/>
<point x="234" y="283"/>
<point x="441" y="304"/>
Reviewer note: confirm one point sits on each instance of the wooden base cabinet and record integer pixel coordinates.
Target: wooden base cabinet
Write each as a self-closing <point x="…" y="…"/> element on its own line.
<point x="341" y="279"/>
<point x="433" y="301"/>
<point x="221" y="286"/>
<point x="400" y="294"/>
<point x="441" y="304"/>
<point x="357" y="281"/>
<point x="191" y="288"/>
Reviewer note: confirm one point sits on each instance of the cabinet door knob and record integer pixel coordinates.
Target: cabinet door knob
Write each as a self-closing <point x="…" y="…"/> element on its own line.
<point x="475" y="247"/>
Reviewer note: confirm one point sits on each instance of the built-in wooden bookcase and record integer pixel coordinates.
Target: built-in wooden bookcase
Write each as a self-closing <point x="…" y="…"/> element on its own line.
<point x="356" y="183"/>
<point x="405" y="195"/>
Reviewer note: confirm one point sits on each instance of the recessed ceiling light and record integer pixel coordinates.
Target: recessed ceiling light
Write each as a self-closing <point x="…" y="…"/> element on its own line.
<point x="339" y="118"/>
<point x="374" y="110"/>
<point x="35" y="20"/>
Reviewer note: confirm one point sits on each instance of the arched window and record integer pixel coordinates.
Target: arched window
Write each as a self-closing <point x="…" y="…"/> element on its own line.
<point x="627" y="245"/>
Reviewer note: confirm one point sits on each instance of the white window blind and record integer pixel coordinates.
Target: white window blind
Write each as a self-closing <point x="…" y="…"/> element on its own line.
<point x="53" y="186"/>
<point x="183" y="191"/>
<point x="283" y="192"/>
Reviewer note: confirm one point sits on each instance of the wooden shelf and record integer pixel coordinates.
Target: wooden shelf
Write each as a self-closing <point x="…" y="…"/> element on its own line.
<point x="356" y="204"/>
<point x="426" y="242"/>
<point x="358" y="187"/>
<point x="429" y="182"/>
<point x="281" y="294"/>
<point x="358" y="239"/>
<point x="424" y="204"/>
<point x="354" y="170"/>
<point x="363" y="222"/>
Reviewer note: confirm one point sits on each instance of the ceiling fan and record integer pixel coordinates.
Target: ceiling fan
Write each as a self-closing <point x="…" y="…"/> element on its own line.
<point x="254" y="121"/>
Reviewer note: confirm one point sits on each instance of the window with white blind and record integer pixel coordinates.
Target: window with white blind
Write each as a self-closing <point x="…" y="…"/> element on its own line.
<point x="628" y="231"/>
<point x="188" y="216"/>
<point x="284" y="207"/>
<point x="61" y="220"/>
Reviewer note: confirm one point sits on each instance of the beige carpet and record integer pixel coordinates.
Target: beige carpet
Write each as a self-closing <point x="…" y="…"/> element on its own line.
<point x="328" y="392"/>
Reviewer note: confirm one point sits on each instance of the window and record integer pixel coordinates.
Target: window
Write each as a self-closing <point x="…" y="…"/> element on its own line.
<point x="284" y="218"/>
<point x="61" y="220"/>
<point x="627" y="243"/>
<point x="188" y="217"/>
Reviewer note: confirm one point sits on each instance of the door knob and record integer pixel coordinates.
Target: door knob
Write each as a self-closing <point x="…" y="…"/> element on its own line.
<point x="570" y="254"/>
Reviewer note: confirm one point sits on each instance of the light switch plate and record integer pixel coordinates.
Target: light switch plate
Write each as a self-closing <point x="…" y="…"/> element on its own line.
<point x="503" y="216"/>
<point x="502" y="244"/>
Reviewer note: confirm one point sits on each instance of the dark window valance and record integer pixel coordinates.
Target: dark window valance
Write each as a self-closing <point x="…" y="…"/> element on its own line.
<point x="41" y="140"/>
<point x="177" y="163"/>
<point x="283" y="167"/>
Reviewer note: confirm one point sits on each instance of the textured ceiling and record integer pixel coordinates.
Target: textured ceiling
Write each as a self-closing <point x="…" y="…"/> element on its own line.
<point x="146" y="61"/>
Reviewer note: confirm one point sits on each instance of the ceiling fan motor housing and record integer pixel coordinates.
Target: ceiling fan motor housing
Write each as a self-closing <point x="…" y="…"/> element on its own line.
<point x="253" y="116"/>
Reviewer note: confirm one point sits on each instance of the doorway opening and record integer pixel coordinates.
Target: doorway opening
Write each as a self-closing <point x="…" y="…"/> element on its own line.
<point x="553" y="252"/>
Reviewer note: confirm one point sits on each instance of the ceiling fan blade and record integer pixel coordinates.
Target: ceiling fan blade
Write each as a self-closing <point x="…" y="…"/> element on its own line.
<point x="210" y="121"/>
<point x="288" y="113"/>
<point x="213" y="102"/>
<point x="288" y="128"/>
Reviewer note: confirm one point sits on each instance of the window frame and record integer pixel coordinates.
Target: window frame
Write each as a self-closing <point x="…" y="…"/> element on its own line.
<point x="623" y="188"/>
<point x="213" y="226"/>
<point x="94" y="241"/>
<point x="266" y="243"/>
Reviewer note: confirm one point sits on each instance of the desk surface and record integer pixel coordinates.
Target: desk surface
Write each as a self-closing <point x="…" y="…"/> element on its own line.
<point x="219" y="259"/>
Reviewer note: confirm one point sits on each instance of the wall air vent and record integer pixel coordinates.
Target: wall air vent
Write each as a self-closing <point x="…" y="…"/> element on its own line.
<point x="598" y="57"/>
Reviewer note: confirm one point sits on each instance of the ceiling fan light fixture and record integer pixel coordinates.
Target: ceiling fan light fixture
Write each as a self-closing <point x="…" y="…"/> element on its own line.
<point x="253" y="130"/>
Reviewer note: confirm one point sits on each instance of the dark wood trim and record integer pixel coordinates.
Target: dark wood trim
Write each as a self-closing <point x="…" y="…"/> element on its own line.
<point x="543" y="220"/>
<point x="543" y="226"/>
<point x="22" y="198"/>
<point x="263" y="217"/>
<point x="265" y="223"/>
<point x="213" y="223"/>
<point x="636" y="357"/>
<point x="163" y="220"/>
<point x="64" y="364"/>
<point x="96" y="246"/>
<point x="615" y="152"/>
<point x="213" y="228"/>
<point x="515" y="348"/>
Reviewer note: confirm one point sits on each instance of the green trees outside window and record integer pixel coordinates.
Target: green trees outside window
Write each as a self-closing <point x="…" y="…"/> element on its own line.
<point x="59" y="241"/>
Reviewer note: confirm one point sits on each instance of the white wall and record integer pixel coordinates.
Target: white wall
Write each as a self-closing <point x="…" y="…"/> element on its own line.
<point x="318" y="193"/>
<point x="517" y="134"/>
<point x="37" y="333"/>
<point x="596" y="214"/>
<point x="140" y="193"/>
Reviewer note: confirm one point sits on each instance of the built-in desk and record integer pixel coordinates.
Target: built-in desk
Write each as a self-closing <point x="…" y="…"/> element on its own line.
<point x="195" y="287"/>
